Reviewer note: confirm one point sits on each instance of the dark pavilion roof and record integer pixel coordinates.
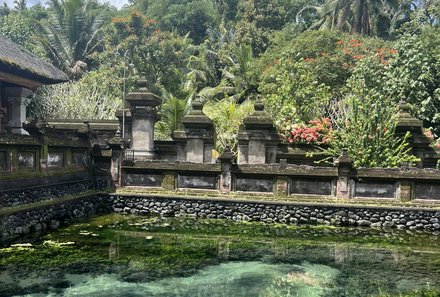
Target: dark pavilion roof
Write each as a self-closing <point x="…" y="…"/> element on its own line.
<point x="19" y="66"/>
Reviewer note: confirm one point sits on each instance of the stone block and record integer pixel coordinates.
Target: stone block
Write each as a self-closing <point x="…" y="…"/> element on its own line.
<point x="282" y="186"/>
<point x="169" y="181"/>
<point x="405" y="191"/>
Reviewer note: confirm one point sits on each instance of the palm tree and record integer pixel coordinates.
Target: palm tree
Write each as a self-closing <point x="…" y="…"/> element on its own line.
<point x="357" y="16"/>
<point x="20" y="5"/>
<point x="239" y="75"/>
<point x="171" y="113"/>
<point x="73" y="31"/>
<point x="237" y="80"/>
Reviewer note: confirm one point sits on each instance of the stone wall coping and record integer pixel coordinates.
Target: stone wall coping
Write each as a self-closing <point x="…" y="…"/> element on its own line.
<point x="280" y="202"/>
<point x="279" y="169"/>
<point x="24" y="175"/>
<point x="175" y="166"/>
<point x="111" y="125"/>
<point x="11" y="139"/>
<point x="398" y="173"/>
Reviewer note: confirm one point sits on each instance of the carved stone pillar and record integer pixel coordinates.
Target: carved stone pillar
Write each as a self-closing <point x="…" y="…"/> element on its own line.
<point x="17" y="99"/>
<point x="419" y="143"/>
<point x="197" y="133"/>
<point x="254" y="137"/>
<point x="144" y="114"/>
<point x="117" y="145"/>
<point x="343" y="185"/>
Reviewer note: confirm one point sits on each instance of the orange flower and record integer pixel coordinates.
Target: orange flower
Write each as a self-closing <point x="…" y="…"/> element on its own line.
<point x="358" y="57"/>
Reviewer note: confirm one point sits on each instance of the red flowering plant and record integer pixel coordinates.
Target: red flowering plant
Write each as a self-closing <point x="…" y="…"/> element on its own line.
<point x="315" y="132"/>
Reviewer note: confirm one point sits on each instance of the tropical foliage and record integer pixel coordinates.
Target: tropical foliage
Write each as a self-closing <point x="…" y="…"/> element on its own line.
<point x="73" y="31"/>
<point x="227" y="116"/>
<point x="320" y="86"/>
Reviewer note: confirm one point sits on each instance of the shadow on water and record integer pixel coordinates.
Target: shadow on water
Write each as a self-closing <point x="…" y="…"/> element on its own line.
<point x="116" y="255"/>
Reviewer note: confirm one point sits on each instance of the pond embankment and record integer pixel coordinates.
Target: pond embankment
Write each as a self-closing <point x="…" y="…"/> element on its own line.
<point x="49" y="214"/>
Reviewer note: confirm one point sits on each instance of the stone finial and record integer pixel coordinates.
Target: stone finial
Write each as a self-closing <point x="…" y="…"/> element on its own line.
<point x="142" y="97"/>
<point x="259" y="119"/>
<point x="259" y="105"/>
<point x="343" y="159"/>
<point x="195" y="117"/>
<point x="404" y="108"/>
<point x="406" y="122"/>
<point x="116" y="142"/>
<point x="37" y="125"/>
<point x="227" y="154"/>
<point x="197" y="103"/>
<point x="142" y="83"/>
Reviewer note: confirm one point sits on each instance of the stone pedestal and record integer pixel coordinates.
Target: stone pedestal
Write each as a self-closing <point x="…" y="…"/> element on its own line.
<point x="179" y="137"/>
<point x="17" y="99"/>
<point x="254" y="137"/>
<point x="144" y="115"/>
<point x="195" y="139"/>
<point x="343" y="184"/>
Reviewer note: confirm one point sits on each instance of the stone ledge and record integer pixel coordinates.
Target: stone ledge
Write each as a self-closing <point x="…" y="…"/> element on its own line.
<point x="299" y="200"/>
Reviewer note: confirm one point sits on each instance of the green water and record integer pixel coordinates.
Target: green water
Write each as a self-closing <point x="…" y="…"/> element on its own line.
<point x="117" y="255"/>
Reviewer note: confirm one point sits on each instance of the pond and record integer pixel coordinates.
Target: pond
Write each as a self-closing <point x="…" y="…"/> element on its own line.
<point x="115" y="255"/>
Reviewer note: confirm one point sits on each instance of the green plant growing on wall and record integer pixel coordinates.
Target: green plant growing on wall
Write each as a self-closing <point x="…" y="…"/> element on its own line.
<point x="171" y="114"/>
<point x="227" y="116"/>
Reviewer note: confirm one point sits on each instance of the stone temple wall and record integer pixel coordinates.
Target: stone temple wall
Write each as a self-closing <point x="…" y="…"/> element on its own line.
<point x="280" y="212"/>
<point x="37" y="220"/>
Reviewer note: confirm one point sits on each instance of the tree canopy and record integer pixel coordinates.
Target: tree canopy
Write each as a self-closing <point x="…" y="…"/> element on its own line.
<point x="311" y="62"/>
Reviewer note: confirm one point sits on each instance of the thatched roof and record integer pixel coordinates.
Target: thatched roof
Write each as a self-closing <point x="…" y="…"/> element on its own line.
<point x="19" y="66"/>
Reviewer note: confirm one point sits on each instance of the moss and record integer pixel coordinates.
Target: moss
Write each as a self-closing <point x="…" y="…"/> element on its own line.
<point x="140" y="249"/>
<point x="415" y="293"/>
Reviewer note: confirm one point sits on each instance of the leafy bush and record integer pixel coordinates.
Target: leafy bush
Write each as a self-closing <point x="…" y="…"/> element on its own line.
<point x="95" y="96"/>
<point x="292" y="93"/>
<point x="368" y="133"/>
